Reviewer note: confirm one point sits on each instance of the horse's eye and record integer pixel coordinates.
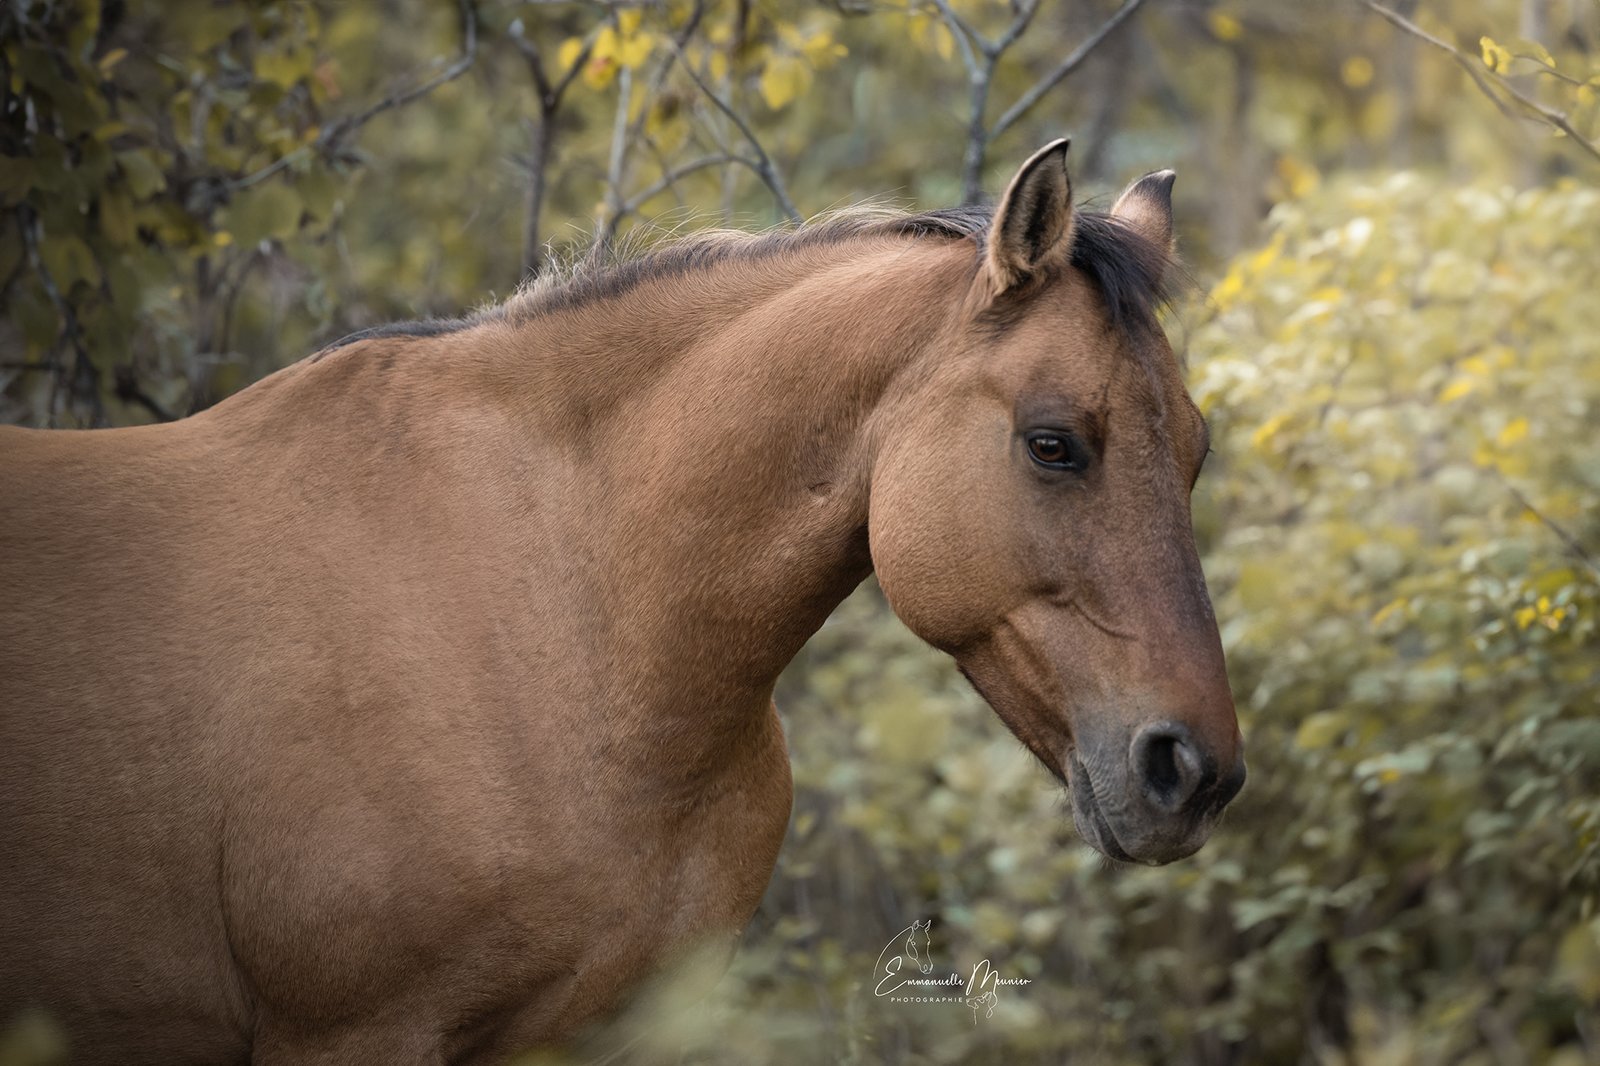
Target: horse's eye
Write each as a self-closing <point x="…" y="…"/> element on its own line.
<point x="1052" y="450"/>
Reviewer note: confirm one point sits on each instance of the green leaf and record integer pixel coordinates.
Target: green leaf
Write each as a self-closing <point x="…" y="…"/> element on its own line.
<point x="270" y="211"/>
<point x="143" y="175"/>
<point x="69" y="260"/>
<point x="16" y="178"/>
<point x="117" y="220"/>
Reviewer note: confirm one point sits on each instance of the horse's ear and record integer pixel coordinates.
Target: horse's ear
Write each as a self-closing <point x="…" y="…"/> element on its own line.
<point x="1146" y="207"/>
<point x="1032" y="227"/>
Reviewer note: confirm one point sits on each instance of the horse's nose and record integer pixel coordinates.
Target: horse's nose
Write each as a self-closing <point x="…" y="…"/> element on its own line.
<point x="1176" y="775"/>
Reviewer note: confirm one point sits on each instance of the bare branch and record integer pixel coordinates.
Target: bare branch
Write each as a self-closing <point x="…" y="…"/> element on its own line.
<point x="619" y="142"/>
<point x="571" y="72"/>
<point x="669" y="179"/>
<point x="763" y="168"/>
<point x="543" y="140"/>
<point x="1470" y="64"/>
<point x="530" y="53"/>
<point x="1043" y="86"/>
<point x="335" y="132"/>
<point x="1018" y="24"/>
<point x="680" y="38"/>
<point x="85" y="375"/>
<point x="130" y="391"/>
<point x="469" y="55"/>
<point x="965" y="36"/>
<point x="1573" y="545"/>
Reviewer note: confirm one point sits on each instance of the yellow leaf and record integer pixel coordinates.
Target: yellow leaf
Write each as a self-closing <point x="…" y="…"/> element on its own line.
<point x="1267" y="430"/>
<point x="111" y="59"/>
<point x="784" y="79"/>
<point x="1300" y="178"/>
<point x="1476" y="365"/>
<point x="568" y="53"/>
<point x="1495" y="57"/>
<point x="1525" y="617"/>
<point x="1357" y="72"/>
<point x="719" y="65"/>
<point x="1224" y="27"/>
<point x="222" y="238"/>
<point x="1457" y="389"/>
<point x="635" y="50"/>
<point x="1268" y="255"/>
<point x="822" y="50"/>
<point x="1514" y="431"/>
<point x="1321" y="729"/>
<point x="1527" y="48"/>
<point x="630" y="20"/>
<point x="602" y="65"/>
<point x="1387" y="611"/>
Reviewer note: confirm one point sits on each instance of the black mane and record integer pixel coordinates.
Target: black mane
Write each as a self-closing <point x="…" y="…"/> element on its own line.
<point x="1131" y="271"/>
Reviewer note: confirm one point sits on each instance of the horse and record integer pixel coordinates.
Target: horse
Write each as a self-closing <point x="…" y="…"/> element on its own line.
<point x="410" y="704"/>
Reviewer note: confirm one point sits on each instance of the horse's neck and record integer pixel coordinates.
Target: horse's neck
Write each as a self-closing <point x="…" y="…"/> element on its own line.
<point x="722" y="442"/>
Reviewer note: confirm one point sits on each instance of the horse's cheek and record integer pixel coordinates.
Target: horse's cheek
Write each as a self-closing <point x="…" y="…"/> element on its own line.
<point x="938" y="553"/>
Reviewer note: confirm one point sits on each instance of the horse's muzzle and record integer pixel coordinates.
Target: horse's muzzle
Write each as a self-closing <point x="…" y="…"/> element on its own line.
<point x="1156" y="803"/>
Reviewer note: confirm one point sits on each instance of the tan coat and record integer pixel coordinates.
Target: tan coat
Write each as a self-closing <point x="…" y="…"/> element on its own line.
<point x="412" y="704"/>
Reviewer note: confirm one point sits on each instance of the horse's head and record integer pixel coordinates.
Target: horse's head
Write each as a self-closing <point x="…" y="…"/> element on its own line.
<point x="919" y="946"/>
<point x="1030" y="515"/>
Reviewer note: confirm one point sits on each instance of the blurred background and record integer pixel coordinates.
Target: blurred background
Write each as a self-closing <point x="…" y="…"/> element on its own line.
<point x="1391" y="216"/>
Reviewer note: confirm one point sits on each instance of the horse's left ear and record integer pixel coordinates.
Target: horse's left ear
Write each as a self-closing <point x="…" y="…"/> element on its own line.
<point x="1146" y="207"/>
<point x="1032" y="228"/>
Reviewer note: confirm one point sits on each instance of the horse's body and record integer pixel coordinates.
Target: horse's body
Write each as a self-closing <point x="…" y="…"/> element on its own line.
<point x="413" y="703"/>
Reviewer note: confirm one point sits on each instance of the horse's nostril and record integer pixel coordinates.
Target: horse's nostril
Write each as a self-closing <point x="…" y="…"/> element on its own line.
<point x="1169" y="769"/>
<point x="1161" y="764"/>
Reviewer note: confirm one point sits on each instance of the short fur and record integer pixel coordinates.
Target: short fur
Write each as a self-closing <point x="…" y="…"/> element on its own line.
<point x="413" y="704"/>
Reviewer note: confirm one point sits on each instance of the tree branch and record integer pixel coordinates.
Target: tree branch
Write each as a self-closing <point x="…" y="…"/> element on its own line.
<point x="619" y="147"/>
<point x="85" y="383"/>
<point x="1043" y="86"/>
<point x="669" y="179"/>
<point x="763" y="166"/>
<point x="1573" y="545"/>
<point x="129" y="391"/>
<point x="543" y="140"/>
<point x="965" y="37"/>
<point x="1470" y="64"/>
<point x="336" y="131"/>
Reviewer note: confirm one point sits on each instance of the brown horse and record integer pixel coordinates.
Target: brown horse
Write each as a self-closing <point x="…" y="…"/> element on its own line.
<point x="408" y="705"/>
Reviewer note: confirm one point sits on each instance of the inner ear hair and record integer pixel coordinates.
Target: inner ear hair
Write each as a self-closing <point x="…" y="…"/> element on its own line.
<point x="1032" y="229"/>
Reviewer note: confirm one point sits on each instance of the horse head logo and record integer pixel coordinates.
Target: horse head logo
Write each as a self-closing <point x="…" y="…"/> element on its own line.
<point x="919" y="946"/>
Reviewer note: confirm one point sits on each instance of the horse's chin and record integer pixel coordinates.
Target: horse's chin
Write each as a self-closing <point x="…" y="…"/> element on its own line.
<point x="1095" y="828"/>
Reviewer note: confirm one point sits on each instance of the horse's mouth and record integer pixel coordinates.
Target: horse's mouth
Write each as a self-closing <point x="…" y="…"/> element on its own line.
<point x="1087" y="816"/>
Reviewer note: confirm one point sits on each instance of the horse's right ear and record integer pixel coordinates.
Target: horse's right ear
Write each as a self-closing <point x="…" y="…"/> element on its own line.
<point x="1032" y="228"/>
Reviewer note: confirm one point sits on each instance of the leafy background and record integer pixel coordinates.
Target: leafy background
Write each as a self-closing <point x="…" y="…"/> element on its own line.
<point x="1394" y="330"/>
